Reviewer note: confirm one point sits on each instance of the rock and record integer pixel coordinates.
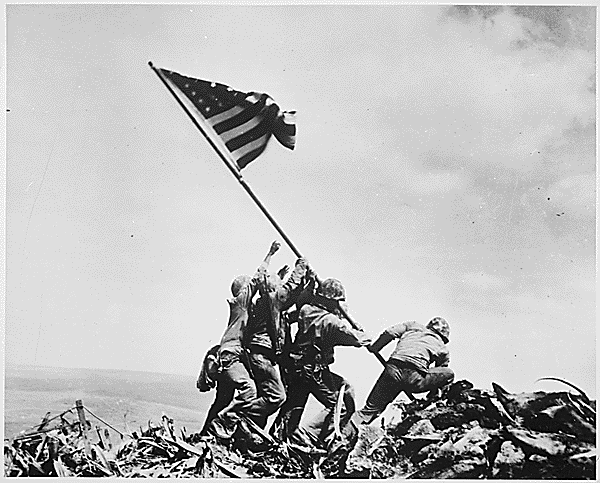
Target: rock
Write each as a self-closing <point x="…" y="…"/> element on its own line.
<point x="562" y="418"/>
<point x="453" y="416"/>
<point x="510" y="455"/>
<point x="421" y="427"/>
<point x="543" y="444"/>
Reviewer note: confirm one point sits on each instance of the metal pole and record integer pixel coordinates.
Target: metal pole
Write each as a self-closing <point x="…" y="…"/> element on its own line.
<point x="241" y="180"/>
<point x="227" y="162"/>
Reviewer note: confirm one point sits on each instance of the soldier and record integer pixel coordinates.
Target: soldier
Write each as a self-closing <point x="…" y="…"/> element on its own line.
<point x="265" y="337"/>
<point x="320" y="329"/>
<point x="408" y="367"/>
<point x="209" y="378"/>
<point x="234" y="371"/>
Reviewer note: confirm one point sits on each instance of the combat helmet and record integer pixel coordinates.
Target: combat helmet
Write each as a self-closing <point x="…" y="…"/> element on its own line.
<point x="238" y="284"/>
<point x="273" y="282"/>
<point x="333" y="289"/>
<point x="440" y="326"/>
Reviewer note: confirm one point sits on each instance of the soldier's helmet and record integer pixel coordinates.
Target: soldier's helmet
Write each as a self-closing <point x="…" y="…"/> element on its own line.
<point x="239" y="283"/>
<point x="273" y="282"/>
<point x="441" y="327"/>
<point x="333" y="289"/>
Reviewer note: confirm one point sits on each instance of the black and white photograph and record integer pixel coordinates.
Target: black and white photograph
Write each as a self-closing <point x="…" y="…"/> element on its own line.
<point x="300" y="241"/>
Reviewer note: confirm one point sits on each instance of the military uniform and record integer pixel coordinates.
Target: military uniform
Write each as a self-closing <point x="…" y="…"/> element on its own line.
<point x="319" y="332"/>
<point x="264" y="338"/>
<point x="232" y="355"/>
<point x="408" y="367"/>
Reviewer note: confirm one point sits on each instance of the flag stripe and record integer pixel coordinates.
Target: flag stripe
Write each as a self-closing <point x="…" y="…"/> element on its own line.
<point x="239" y="130"/>
<point x="247" y="148"/>
<point x="249" y="136"/>
<point x="223" y="116"/>
<point x="284" y="128"/>
<point x="248" y="158"/>
<point x="248" y="113"/>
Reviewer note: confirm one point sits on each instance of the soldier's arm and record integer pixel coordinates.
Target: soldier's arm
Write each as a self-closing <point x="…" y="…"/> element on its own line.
<point x="288" y="292"/>
<point x="272" y="250"/>
<point x="388" y="335"/>
<point x="244" y="298"/>
<point x="443" y="359"/>
<point x="342" y="334"/>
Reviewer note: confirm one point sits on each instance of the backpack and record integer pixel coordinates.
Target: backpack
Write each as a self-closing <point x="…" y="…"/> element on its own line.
<point x="210" y="370"/>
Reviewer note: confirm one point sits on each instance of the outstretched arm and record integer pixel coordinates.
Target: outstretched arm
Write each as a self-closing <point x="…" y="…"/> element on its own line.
<point x="343" y="334"/>
<point x="388" y="335"/>
<point x="272" y="250"/>
<point x="245" y="296"/>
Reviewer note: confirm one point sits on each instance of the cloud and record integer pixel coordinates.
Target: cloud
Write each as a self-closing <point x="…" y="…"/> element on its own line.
<point x="113" y="314"/>
<point x="430" y="184"/>
<point x="475" y="90"/>
<point x="574" y="195"/>
<point x="484" y="281"/>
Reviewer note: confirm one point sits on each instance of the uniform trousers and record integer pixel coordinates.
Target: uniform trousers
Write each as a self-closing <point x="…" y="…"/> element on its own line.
<point x="398" y="376"/>
<point x="325" y="386"/>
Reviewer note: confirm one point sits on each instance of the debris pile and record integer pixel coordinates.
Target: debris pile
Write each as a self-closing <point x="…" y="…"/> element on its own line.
<point x="462" y="433"/>
<point x="69" y="447"/>
<point x="471" y="433"/>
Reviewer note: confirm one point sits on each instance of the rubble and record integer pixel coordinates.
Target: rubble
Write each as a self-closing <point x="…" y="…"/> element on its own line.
<point x="463" y="433"/>
<point x="471" y="433"/>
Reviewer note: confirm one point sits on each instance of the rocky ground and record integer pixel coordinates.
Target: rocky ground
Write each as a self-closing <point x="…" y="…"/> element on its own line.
<point x="463" y="433"/>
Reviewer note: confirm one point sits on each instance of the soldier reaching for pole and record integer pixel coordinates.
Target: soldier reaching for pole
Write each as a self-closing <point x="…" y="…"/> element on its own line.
<point x="234" y="370"/>
<point x="265" y="335"/>
<point x="408" y="367"/>
<point x="320" y="329"/>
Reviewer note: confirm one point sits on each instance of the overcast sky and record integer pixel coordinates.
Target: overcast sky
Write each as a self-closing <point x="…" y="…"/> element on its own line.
<point x="445" y="165"/>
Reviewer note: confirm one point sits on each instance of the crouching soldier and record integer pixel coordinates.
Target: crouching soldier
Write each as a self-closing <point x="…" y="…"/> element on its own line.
<point x="208" y="379"/>
<point x="320" y="329"/>
<point x="408" y="367"/>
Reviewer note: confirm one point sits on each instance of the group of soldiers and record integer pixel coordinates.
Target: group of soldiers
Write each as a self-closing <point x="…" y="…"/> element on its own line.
<point x="258" y="369"/>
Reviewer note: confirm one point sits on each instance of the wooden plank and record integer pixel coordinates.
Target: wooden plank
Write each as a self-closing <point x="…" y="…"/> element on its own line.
<point x="167" y="423"/>
<point x="83" y="424"/>
<point x="225" y="470"/>
<point x="44" y="422"/>
<point x="104" y="441"/>
<point x="102" y="459"/>
<point x="59" y="468"/>
<point x="107" y="439"/>
<point x="40" y="447"/>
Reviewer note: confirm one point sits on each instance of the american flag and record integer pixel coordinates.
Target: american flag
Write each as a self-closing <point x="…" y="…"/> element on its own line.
<point x="244" y="122"/>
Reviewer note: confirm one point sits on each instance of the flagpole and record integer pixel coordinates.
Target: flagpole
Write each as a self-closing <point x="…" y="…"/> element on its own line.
<point x="238" y="176"/>
<point x="227" y="162"/>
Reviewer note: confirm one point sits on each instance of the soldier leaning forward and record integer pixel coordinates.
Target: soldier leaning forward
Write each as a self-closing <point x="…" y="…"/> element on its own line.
<point x="418" y="364"/>
<point x="320" y="329"/>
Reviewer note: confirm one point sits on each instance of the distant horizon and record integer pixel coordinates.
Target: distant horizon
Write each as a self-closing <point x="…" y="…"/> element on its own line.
<point x="81" y="368"/>
<point x="210" y="394"/>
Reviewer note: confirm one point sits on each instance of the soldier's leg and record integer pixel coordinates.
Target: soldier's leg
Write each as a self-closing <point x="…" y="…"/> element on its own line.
<point x="269" y="387"/>
<point x="291" y="411"/>
<point x="431" y="380"/>
<point x="225" y="392"/>
<point x="326" y="389"/>
<point x="236" y="373"/>
<point x="385" y="390"/>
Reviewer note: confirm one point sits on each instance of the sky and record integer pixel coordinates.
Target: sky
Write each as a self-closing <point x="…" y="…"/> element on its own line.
<point x="445" y="166"/>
